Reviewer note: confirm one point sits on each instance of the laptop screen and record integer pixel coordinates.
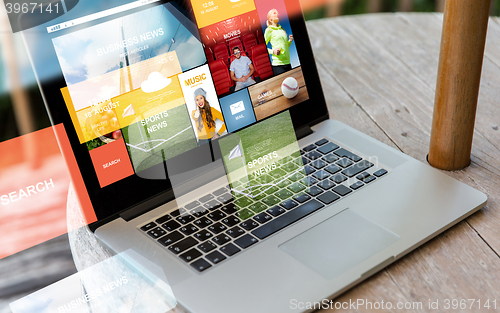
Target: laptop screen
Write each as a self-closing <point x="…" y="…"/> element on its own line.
<point x="141" y="83"/>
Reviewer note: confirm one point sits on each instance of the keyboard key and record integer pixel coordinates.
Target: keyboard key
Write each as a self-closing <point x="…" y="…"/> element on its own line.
<point x="185" y="219"/>
<point x="175" y="213"/>
<point x="229" y="209"/>
<point x="380" y="172"/>
<point x="206" y="198"/>
<point x="295" y="176"/>
<point x="231" y="221"/>
<point x="275" y="211"/>
<point x="270" y="191"/>
<point x="296" y="187"/>
<point x="249" y="225"/>
<point x="149" y="226"/>
<point x="330" y="158"/>
<point x="362" y="176"/>
<point x="199" y="212"/>
<point x="314" y="191"/>
<point x="190" y="255"/>
<point x="369" y="179"/>
<point x="183" y="245"/>
<point x="314" y="155"/>
<point x="345" y="162"/>
<point x="221" y="239"/>
<point x="332" y="169"/>
<point x="171" y="225"/>
<point x="301" y="198"/>
<point x="203" y="235"/>
<point x="215" y="257"/>
<point x="339" y="178"/>
<point x="217" y="228"/>
<point x="308" y="181"/>
<point x="309" y="148"/>
<point x="357" y="168"/>
<point x="207" y="246"/>
<point x="235" y="232"/>
<point x="318" y="164"/>
<point x="191" y="205"/>
<point x="200" y="265"/>
<point x="230" y="249"/>
<point x="284" y="194"/>
<point x="245" y="241"/>
<point x="163" y="219"/>
<point x="321" y="142"/>
<point x="243" y="202"/>
<point x="308" y="169"/>
<point x="170" y="238"/>
<point x="244" y="214"/>
<point x="302" y="161"/>
<point x="356" y="185"/>
<point x="328" y="197"/>
<point x="225" y="198"/>
<point x="342" y="190"/>
<point x="202" y="222"/>
<point x="328" y="148"/>
<point x="262" y="217"/>
<point x="217" y="215"/>
<point x="347" y="154"/>
<point x="320" y="175"/>
<point x="326" y="184"/>
<point x="287" y="219"/>
<point x="289" y="204"/>
<point x="189" y="229"/>
<point x="271" y="200"/>
<point x="212" y="205"/>
<point x="258" y="207"/>
<point x="219" y="192"/>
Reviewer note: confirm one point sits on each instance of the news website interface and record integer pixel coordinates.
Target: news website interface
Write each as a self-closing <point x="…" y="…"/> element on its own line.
<point x="145" y="87"/>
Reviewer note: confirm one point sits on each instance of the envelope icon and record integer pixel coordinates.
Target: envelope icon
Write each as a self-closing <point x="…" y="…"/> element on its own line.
<point x="237" y="107"/>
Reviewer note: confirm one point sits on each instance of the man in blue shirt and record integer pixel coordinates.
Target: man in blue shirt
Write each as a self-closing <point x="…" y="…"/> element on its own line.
<point x="241" y="70"/>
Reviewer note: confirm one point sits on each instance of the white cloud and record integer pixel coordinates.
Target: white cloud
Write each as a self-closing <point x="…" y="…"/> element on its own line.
<point x="155" y="82"/>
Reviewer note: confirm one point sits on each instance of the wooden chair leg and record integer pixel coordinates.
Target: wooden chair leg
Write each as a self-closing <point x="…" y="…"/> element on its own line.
<point x="459" y="74"/>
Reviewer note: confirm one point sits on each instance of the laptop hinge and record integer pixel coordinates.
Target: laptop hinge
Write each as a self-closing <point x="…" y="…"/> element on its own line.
<point x="147" y="205"/>
<point x="303" y="131"/>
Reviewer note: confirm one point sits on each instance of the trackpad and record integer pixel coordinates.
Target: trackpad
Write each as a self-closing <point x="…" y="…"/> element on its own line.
<point x="338" y="244"/>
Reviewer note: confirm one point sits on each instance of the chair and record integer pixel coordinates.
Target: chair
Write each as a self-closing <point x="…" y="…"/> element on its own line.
<point x="249" y="41"/>
<point x="235" y="42"/>
<point x="259" y="36"/>
<point x="221" y="53"/>
<point x="209" y="54"/>
<point x="221" y="77"/>
<point x="261" y="62"/>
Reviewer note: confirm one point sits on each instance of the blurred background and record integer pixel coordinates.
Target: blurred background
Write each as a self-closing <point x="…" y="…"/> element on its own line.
<point x="21" y="105"/>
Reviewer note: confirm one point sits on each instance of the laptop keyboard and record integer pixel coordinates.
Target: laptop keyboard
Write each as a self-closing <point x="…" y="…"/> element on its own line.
<point x="219" y="225"/>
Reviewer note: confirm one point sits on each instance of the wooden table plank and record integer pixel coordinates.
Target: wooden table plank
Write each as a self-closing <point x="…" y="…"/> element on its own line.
<point x="398" y="95"/>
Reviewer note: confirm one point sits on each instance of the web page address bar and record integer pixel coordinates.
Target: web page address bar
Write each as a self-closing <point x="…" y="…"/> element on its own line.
<point x="98" y="15"/>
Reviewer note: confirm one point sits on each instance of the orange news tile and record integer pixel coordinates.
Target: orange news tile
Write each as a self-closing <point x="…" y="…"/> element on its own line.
<point x="215" y="11"/>
<point x="111" y="162"/>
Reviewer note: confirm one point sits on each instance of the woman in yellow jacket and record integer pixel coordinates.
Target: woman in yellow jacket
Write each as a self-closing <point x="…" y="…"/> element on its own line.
<point x="204" y="117"/>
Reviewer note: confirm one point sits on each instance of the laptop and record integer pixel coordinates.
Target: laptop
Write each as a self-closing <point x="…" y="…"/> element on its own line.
<point x="204" y="144"/>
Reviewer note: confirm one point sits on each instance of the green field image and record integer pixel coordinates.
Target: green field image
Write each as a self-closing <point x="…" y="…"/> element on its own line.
<point x="256" y="188"/>
<point x="159" y="140"/>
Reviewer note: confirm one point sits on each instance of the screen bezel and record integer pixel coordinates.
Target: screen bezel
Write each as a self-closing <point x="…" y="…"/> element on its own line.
<point x="110" y="200"/>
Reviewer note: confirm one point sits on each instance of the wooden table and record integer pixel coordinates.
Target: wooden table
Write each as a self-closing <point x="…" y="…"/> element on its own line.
<point x="378" y="73"/>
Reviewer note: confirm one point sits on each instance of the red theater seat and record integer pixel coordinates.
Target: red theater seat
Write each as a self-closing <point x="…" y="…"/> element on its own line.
<point x="261" y="62"/>
<point x="221" y="77"/>
<point x="249" y="42"/>
<point x="209" y="54"/>
<point x="235" y="42"/>
<point x="221" y="53"/>
<point x="258" y="35"/>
